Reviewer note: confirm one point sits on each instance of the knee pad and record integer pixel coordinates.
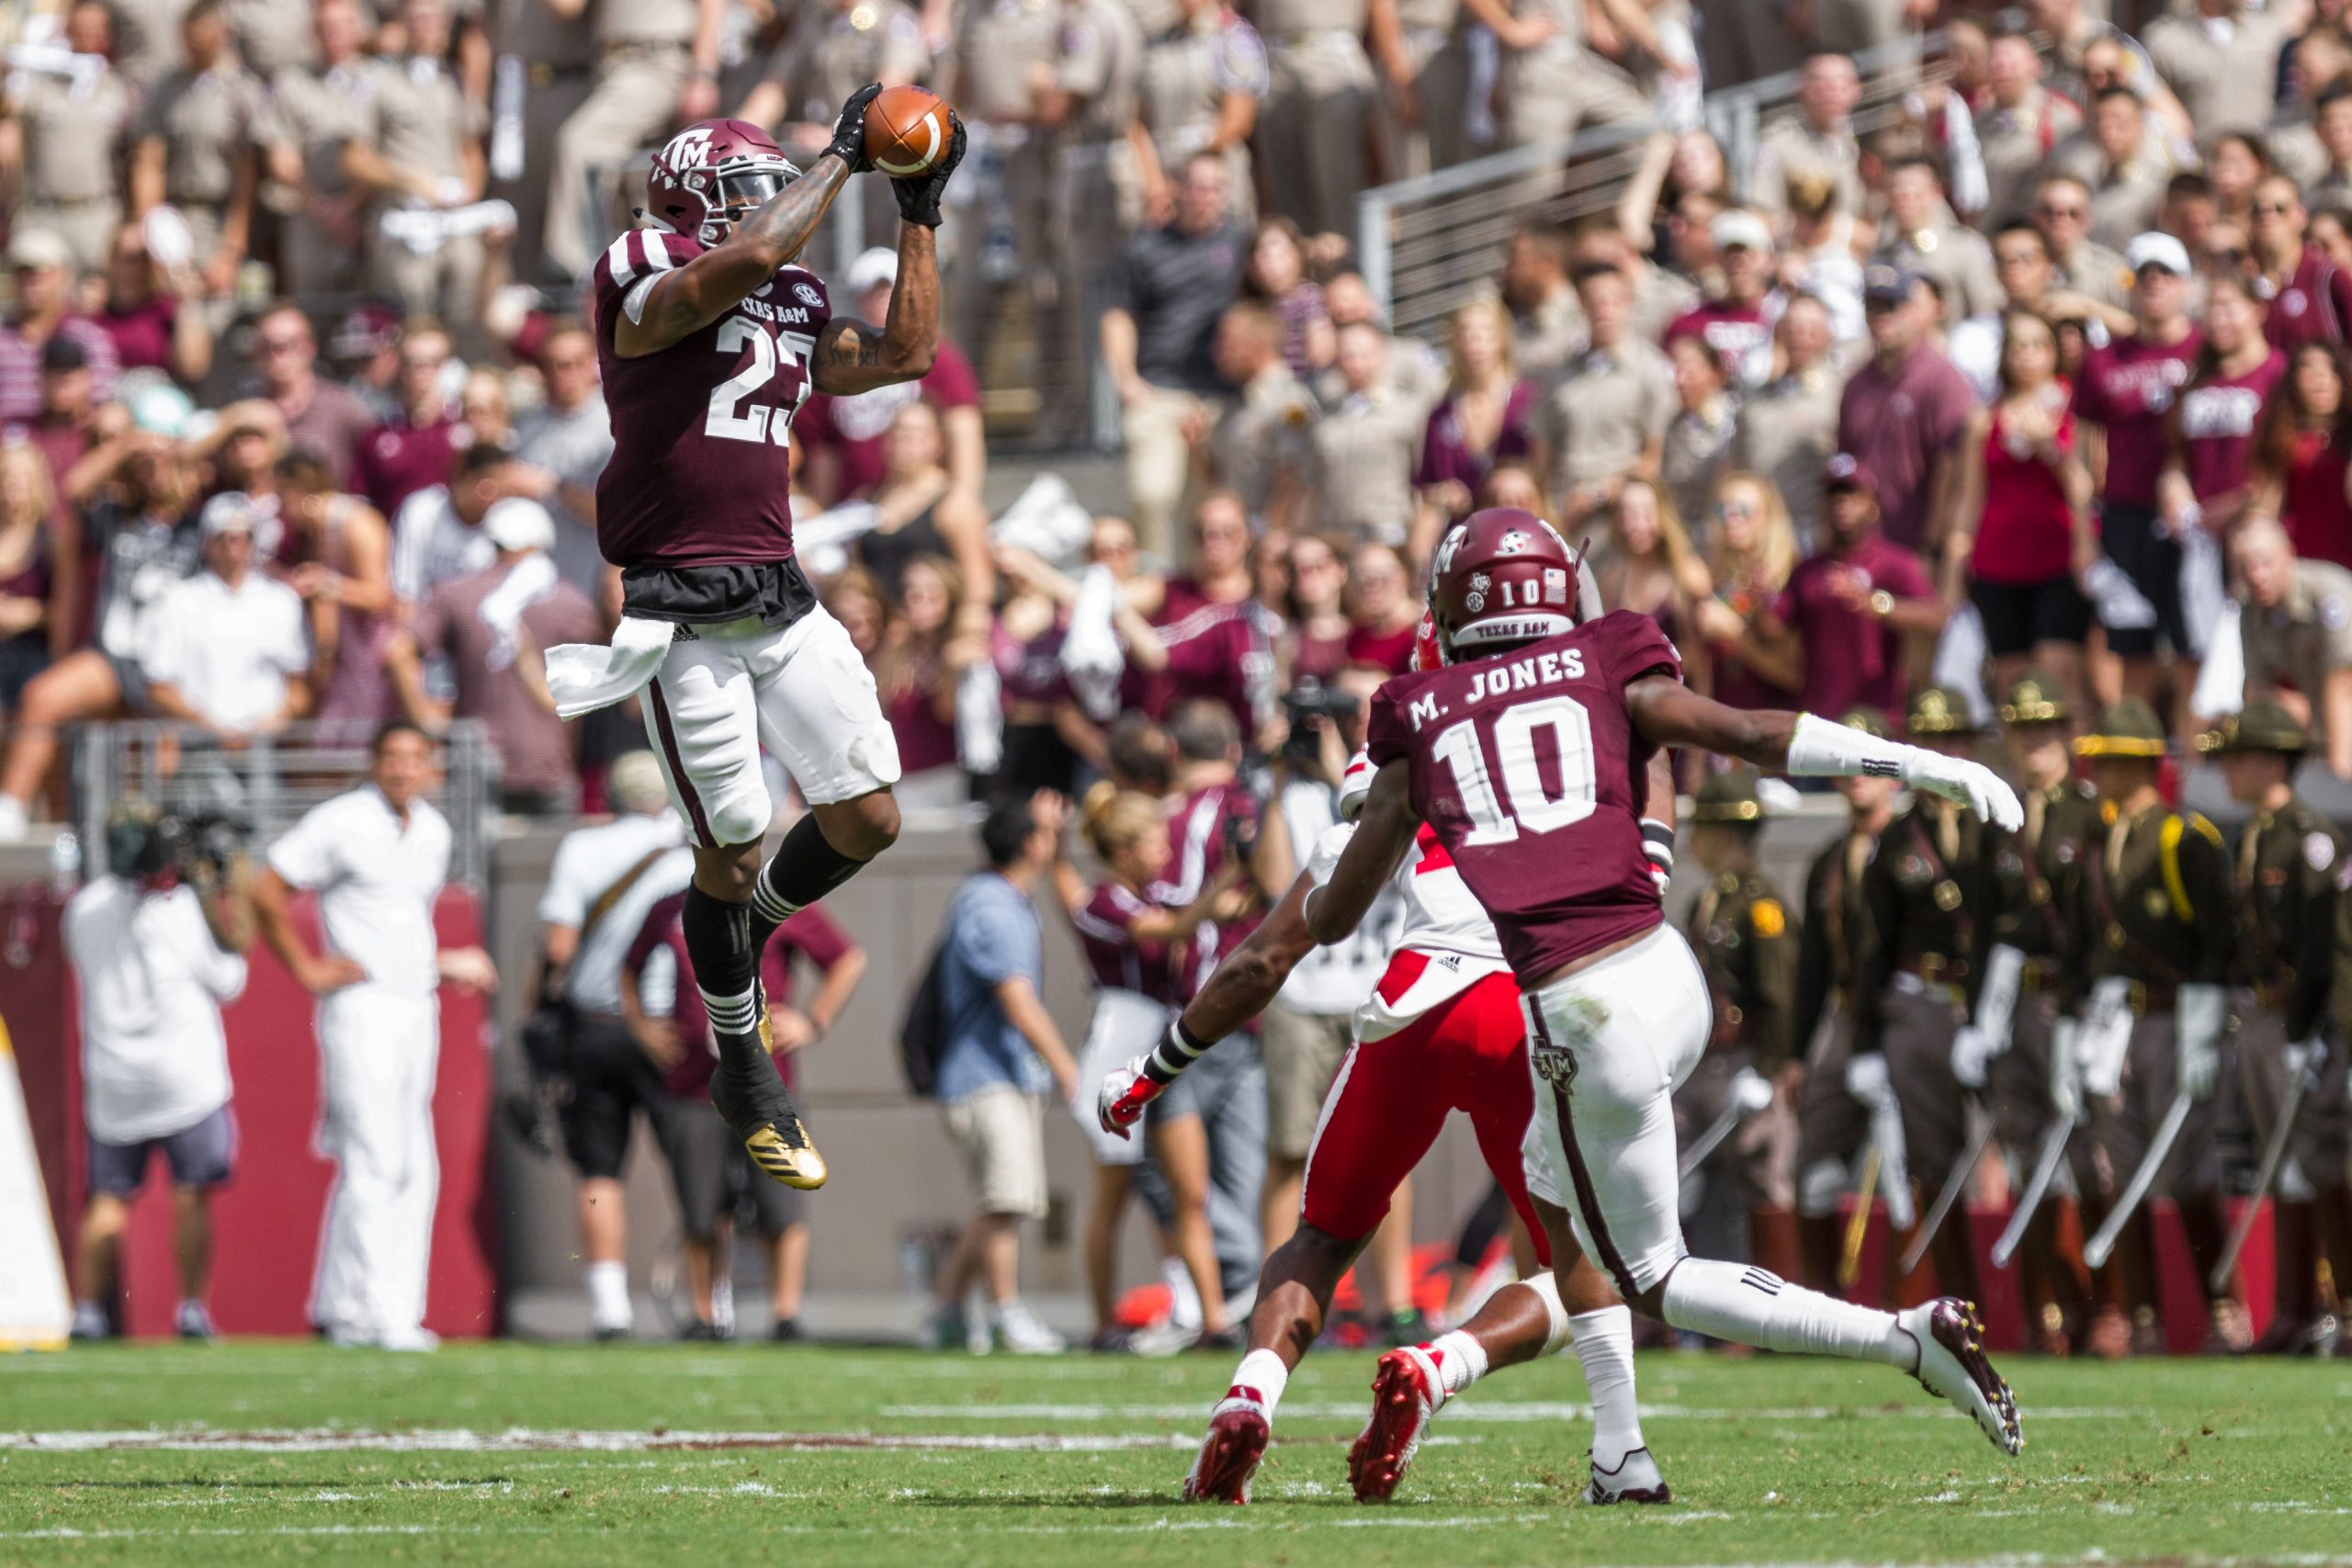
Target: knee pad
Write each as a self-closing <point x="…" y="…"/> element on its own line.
<point x="1819" y="1186"/>
<point x="1547" y="1291"/>
<point x="741" y="815"/>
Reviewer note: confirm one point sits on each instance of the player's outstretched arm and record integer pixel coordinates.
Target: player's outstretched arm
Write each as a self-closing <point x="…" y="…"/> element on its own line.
<point x="853" y="357"/>
<point x="1667" y="712"/>
<point x="1384" y="836"/>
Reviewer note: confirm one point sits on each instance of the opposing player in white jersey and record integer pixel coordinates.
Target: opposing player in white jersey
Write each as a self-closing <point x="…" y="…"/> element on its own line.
<point x="1441" y="1032"/>
<point x="709" y="339"/>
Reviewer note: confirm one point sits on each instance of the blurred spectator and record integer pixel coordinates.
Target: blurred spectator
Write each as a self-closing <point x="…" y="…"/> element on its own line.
<point x="2332" y="121"/>
<point x="1218" y="568"/>
<point x="319" y="108"/>
<point x="67" y="423"/>
<point x="657" y="66"/>
<point x="1046" y="734"/>
<point x="1383" y="610"/>
<point x="1836" y="634"/>
<point x="337" y="555"/>
<point x="437" y="535"/>
<point x="1276" y="278"/>
<point x="1903" y="413"/>
<point x="227" y="649"/>
<point x="321" y="415"/>
<point x="366" y="351"/>
<point x="1546" y="325"/>
<point x="144" y="316"/>
<point x="855" y="599"/>
<point x="1922" y="237"/>
<point x="810" y="74"/>
<point x="1488" y="416"/>
<point x="1415" y="368"/>
<point x="1203" y="79"/>
<point x="2021" y="523"/>
<point x="195" y="149"/>
<point x="846" y="436"/>
<point x="1365" y="447"/>
<point x="1820" y="259"/>
<point x="1786" y="429"/>
<point x="1606" y="415"/>
<point x="919" y="511"/>
<point x="561" y="445"/>
<point x="412" y="451"/>
<point x="238" y="453"/>
<point x="40" y="574"/>
<point x="2308" y="297"/>
<point x="917" y="671"/>
<point x="2061" y="211"/>
<point x="1221" y="653"/>
<point x="1816" y="141"/>
<point x="1554" y="81"/>
<point x="1001" y="1052"/>
<point x="1317" y="630"/>
<point x="1696" y="448"/>
<point x="2017" y="126"/>
<point x="484" y="408"/>
<point x="1168" y="290"/>
<point x="2235" y="168"/>
<point x="493" y="627"/>
<point x="2113" y="158"/>
<point x="1736" y="320"/>
<point x="2210" y="466"/>
<point x="2297" y="632"/>
<point x="60" y="140"/>
<point x="2220" y="59"/>
<point x="1258" y="447"/>
<point x="1755" y="550"/>
<point x="42" y="311"/>
<point x="1650" y="567"/>
<point x="1314" y="137"/>
<point x="2301" y="452"/>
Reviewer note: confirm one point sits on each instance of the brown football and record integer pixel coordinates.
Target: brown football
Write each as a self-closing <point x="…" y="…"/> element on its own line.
<point x="906" y="131"/>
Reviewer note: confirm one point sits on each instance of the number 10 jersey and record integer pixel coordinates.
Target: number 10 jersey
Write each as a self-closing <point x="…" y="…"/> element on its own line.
<point x="700" y="473"/>
<point x="1529" y="770"/>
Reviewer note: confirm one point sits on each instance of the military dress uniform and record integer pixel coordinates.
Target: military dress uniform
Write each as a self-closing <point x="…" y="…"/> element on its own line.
<point x="2160" y="909"/>
<point x="1189" y="69"/>
<point x="2289" y="861"/>
<point x="1318" y="105"/>
<point x="2016" y="142"/>
<point x="546" y="69"/>
<point x="208" y="122"/>
<point x="1925" y="897"/>
<point x="316" y="110"/>
<point x="2296" y="643"/>
<point x="1437" y="42"/>
<point x="644" y="60"/>
<point x="417" y="117"/>
<point x="1747" y="946"/>
<point x="1956" y="258"/>
<point x="1831" y="1126"/>
<point x="829" y="54"/>
<point x="1002" y="50"/>
<point x="1101" y="66"/>
<point x="2036" y="878"/>
<point x="73" y="132"/>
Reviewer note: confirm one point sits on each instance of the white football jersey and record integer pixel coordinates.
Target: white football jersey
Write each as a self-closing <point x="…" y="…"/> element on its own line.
<point x="1447" y="947"/>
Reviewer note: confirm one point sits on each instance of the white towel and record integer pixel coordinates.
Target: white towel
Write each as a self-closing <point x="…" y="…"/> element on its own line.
<point x="2202" y="592"/>
<point x="2220" y="679"/>
<point x="1091" y="656"/>
<point x="1960" y="661"/>
<point x="533" y="579"/>
<point x="583" y="677"/>
<point x="980" y="719"/>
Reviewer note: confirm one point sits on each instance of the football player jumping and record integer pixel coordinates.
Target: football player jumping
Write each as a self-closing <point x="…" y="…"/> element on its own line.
<point x="710" y="338"/>
<point x="1528" y="753"/>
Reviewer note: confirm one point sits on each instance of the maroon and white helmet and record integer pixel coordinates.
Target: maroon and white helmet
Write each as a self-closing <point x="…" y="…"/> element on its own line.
<point x="709" y="174"/>
<point x="1500" y="577"/>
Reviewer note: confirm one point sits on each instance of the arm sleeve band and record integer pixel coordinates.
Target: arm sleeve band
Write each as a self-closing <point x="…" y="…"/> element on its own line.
<point x="1177" y="1050"/>
<point x="1657" y="842"/>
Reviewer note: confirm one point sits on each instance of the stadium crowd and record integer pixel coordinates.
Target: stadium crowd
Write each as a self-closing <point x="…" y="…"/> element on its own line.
<point x="2029" y="402"/>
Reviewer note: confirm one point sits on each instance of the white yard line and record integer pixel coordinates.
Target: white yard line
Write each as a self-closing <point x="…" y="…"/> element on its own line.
<point x="1481" y="1410"/>
<point x="518" y="1439"/>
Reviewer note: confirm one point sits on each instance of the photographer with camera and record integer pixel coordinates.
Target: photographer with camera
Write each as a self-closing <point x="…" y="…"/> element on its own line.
<point x="157" y="945"/>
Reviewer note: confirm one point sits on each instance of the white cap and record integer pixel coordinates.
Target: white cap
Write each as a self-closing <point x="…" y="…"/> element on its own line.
<point x="1737" y="226"/>
<point x="518" y="523"/>
<point x="231" y="510"/>
<point x="2157" y="249"/>
<point x="872" y="268"/>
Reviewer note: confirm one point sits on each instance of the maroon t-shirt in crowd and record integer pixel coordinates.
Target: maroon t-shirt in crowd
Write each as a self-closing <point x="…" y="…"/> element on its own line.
<point x="1741" y="337"/>
<point x="2217" y="421"/>
<point x="810" y="933"/>
<point x="143" y="334"/>
<point x="1225" y="652"/>
<point x="1392" y="651"/>
<point x="2314" y="510"/>
<point x="700" y="471"/>
<point x="1899" y="423"/>
<point x="332" y="423"/>
<point x="1106" y="935"/>
<point x="925" y="739"/>
<point x="1200" y="837"/>
<point x="1446" y="452"/>
<point x="2026" y="533"/>
<point x="398" y="458"/>
<point x="1528" y="767"/>
<point x="853" y="428"/>
<point x="2127" y="388"/>
<point x="2313" y="306"/>
<point x="534" y="746"/>
<point x="1850" y="656"/>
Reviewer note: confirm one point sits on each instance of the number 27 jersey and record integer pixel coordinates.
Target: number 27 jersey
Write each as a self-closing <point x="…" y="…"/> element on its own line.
<point x="700" y="473"/>
<point x="1529" y="770"/>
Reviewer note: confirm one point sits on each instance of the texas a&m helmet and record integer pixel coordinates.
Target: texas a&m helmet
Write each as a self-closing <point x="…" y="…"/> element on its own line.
<point x="711" y="174"/>
<point x="1502" y="577"/>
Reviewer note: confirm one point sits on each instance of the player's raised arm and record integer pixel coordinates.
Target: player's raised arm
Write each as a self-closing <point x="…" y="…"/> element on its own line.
<point x="1667" y="712"/>
<point x="853" y="357"/>
<point x="782" y="209"/>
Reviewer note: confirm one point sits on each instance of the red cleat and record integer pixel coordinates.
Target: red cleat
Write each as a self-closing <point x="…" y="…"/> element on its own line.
<point x="1239" y="1432"/>
<point x="1404" y="1394"/>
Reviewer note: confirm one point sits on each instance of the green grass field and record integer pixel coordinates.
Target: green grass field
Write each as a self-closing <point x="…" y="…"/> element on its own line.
<point x="517" y="1453"/>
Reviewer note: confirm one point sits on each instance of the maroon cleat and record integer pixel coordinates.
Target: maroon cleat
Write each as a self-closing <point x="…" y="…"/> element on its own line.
<point x="1239" y="1432"/>
<point x="1404" y="1394"/>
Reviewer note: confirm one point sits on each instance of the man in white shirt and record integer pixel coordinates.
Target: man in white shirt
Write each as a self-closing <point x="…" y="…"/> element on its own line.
<point x="377" y="857"/>
<point x="604" y="881"/>
<point x="437" y="533"/>
<point x="157" y="947"/>
<point x="228" y="648"/>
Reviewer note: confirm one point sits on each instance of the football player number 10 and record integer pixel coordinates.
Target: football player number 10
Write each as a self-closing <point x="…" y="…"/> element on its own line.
<point x="1524" y="803"/>
<point x="790" y="351"/>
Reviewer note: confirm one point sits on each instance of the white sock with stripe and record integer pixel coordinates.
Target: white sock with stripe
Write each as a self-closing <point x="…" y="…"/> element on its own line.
<point x="1264" y="1373"/>
<point x="737" y="1014"/>
<point x="1754" y="1306"/>
<point x="1461" y="1360"/>
<point x="1605" y="1345"/>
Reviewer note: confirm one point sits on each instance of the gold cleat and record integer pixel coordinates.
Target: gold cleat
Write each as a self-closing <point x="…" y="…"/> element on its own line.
<point x="778" y="1160"/>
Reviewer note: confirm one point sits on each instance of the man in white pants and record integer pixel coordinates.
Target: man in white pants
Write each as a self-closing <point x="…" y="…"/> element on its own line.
<point x="377" y="857"/>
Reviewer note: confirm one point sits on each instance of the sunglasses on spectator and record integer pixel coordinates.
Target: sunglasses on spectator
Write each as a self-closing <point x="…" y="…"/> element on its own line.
<point x="2273" y="208"/>
<point x="2016" y="258"/>
<point x="283" y="345"/>
<point x="1734" y="509"/>
<point x="2233" y="256"/>
<point x="2051" y="209"/>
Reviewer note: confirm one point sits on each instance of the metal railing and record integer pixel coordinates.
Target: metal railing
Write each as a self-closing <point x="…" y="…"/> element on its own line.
<point x="1428" y="243"/>
<point x="268" y="783"/>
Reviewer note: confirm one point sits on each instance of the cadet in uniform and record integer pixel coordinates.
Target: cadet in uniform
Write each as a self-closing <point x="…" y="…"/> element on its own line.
<point x="1924" y="896"/>
<point x="1741" y="932"/>
<point x="1096" y="75"/>
<point x="1311" y="145"/>
<point x="1006" y="51"/>
<point x="195" y="146"/>
<point x="1831" y="1127"/>
<point x="418" y="130"/>
<point x="546" y="70"/>
<point x="824" y="57"/>
<point x="2287" y="860"/>
<point x="657" y="63"/>
<point x="1204" y="77"/>
<point x="68" y="132"/>
<point x="2296" y="627"/>
<point x="316" y="108"/>
<point x="2160" y="927"/>
<point x="2036" y="878"/>
<point x="1435" y="36"/>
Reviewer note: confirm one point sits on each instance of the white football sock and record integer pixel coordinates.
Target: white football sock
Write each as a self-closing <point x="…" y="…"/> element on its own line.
<point x="1262" y="1371"/>
<point x="609" y="1304"/>
<point x="1605" y="1346"/>
<point x="1754" y="1306"/>
<point x="1461" y="1360"/>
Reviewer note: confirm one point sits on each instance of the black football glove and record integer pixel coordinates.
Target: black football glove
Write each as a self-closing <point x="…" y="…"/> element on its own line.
<point x="849" y="131"/>
<point x="918" y="195"/>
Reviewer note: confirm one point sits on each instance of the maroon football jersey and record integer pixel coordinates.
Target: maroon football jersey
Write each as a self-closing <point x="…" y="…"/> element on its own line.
<point x="700" y="471"/>
<point x="1530" y="769"/>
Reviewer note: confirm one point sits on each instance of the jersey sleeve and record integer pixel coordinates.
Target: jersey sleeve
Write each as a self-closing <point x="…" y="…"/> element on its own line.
<point x="624" y="274"/>
<point x="1386" y="737"/>
<point x="1633" y="645"/>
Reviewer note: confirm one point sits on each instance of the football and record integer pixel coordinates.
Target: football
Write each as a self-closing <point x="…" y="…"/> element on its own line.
<point x="906" y="131"/>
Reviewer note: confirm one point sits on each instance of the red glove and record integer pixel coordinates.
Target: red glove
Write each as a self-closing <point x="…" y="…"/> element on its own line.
<point x="1125" y="1094"/>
